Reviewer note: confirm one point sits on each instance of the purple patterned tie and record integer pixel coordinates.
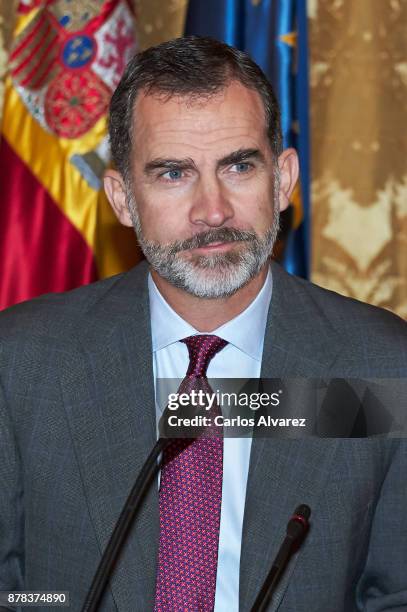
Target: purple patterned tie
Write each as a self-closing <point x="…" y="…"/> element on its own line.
<point x="190" y="503"/>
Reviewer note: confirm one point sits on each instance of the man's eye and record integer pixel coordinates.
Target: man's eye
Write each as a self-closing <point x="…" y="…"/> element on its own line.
<point x="242" y="167"/>
<point x="172" y="175"/>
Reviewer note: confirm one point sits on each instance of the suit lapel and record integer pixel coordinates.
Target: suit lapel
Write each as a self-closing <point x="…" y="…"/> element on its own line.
<point x="285" y="473"/>
<point x="109" y="401"/>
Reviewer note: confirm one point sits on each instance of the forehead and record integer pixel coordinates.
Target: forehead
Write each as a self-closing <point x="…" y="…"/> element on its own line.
<point x="225" y="119"/>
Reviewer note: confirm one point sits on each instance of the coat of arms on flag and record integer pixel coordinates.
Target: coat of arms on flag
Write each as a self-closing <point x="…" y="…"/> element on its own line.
<point x="68" y="59"/>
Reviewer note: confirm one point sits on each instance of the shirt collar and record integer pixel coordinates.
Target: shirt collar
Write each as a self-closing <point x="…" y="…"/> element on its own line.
<point x="245" y="331"/>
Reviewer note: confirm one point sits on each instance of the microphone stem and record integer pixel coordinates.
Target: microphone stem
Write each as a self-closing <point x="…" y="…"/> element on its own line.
<point x="147" y="472"/>
<point x="274" y="575"/>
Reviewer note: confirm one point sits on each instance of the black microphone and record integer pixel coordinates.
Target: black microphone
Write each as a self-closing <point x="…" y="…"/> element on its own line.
<point x="119" y="534"/>
<point x="129" y="511"/>
<point x="297" y="528"/>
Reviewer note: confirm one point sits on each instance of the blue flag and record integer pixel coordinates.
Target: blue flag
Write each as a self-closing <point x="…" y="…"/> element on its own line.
<point x="274" y="33"/>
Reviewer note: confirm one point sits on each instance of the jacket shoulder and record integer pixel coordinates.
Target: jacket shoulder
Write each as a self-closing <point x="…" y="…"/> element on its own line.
<point x="351" y="316"/>
<point x="367" y="338"/>
<point x="60" y="315"/>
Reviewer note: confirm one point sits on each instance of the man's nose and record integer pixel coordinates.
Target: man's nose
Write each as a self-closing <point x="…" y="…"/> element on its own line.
<point x="211" y="205"/>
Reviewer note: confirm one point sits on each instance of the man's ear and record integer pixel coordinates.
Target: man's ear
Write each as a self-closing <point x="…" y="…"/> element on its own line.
<point x="116" y="194"/>
<point x="289" y="168"/>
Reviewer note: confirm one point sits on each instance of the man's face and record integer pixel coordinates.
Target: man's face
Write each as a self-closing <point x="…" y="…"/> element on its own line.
<point x="203" y="198"/>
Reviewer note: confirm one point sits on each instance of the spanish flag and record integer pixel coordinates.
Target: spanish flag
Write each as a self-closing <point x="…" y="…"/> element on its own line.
<point x="57" y="230"/>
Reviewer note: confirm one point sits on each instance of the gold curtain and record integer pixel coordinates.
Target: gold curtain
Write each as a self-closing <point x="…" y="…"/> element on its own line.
<point x="159" y="20"/>
<point x="359" y="141"/>
<point x="7" y="16"/>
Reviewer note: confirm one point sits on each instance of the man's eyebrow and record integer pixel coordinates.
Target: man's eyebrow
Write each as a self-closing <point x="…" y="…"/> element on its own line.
<point x="160" y="163"/>
<point x="239" y="156"/>
<point x="236" y="157"/>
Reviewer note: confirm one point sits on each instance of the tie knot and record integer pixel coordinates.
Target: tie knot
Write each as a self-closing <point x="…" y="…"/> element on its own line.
<point x="201" y="350"/>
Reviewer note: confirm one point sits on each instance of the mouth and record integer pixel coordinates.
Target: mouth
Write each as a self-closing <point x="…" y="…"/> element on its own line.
<point x="218" y="247"/>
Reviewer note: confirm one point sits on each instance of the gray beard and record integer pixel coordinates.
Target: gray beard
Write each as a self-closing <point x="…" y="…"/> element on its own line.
<point x="209" y="276"/>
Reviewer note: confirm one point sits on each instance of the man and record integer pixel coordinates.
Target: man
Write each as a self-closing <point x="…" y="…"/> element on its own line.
<point x="201" y="175"/>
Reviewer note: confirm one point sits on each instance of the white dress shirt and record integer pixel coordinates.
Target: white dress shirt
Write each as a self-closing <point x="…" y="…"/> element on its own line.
<point x="241" y="358"/>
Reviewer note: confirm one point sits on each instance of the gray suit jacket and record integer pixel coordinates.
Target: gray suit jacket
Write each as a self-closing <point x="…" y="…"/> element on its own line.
<point x="77" y="420"/>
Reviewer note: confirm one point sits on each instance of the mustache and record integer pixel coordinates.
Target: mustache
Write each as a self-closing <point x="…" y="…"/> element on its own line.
<point x="224" y="234"/>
